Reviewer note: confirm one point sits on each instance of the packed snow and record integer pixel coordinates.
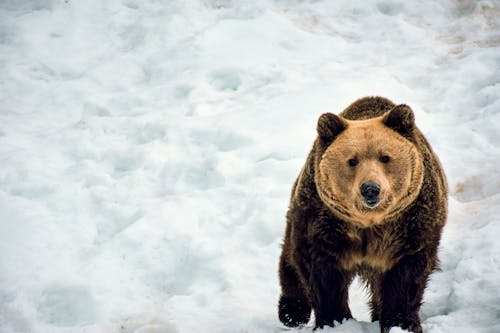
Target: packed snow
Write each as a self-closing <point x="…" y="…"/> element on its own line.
<point x="148" y="149"/>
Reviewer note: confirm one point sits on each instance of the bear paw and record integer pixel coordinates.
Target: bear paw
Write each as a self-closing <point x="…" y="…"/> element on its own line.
<point x="411" y="324"/>
<point x="294" y="311"/>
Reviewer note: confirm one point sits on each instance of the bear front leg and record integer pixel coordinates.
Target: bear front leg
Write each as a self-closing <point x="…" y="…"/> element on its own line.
<point x="293" y="307"/>
<point x="329" y="293"/>
<point x="402" y="289"/>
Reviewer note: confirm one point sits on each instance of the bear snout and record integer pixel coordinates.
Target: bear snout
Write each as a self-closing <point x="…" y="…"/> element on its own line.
<point x="370" y="192"/>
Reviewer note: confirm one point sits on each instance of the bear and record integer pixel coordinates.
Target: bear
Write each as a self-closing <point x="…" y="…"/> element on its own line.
<point x="371" y="200"/>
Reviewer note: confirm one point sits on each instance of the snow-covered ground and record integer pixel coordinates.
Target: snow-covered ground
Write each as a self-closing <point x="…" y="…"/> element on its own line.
<point x="148" y="148"/>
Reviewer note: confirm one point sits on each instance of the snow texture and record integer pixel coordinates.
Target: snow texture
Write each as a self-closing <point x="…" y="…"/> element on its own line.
<point x="148" y="149"/>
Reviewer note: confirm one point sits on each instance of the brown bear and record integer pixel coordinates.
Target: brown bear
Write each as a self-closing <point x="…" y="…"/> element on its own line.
<point x="371" y="200"/>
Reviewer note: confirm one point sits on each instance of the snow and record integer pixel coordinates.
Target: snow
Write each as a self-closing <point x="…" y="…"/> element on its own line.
<point x="148" y="149"/>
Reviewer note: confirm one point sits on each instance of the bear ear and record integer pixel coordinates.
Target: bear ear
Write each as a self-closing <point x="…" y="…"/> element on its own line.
<point x="330" y="126"/>
<point x="400" y="118"/>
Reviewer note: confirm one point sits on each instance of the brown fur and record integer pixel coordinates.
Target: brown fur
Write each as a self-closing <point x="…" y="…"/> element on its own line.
<point x="331" y="235"/>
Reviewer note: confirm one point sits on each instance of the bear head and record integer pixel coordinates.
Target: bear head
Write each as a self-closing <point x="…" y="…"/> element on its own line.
<point x="368" y="171"/>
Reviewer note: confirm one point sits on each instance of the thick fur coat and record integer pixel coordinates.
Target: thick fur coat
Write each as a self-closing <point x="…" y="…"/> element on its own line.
<point x="371" y="200"/>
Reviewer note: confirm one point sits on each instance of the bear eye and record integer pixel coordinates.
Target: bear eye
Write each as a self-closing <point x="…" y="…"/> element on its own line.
<point x="353" y="162"/>
<point x="384" y="159"/>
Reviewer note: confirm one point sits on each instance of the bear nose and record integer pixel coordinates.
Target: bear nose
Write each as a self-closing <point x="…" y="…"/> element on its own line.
<point x="370" y="192"/>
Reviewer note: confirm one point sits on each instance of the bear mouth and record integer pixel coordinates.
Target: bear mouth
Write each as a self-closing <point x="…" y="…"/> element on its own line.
<point x="371" y="203"/>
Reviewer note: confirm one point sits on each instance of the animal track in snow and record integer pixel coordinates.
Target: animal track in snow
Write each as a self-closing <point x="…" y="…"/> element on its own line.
<point x="226" y="79"/>
<point x="224" y="140"/>
<point x="67" y="306"/>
